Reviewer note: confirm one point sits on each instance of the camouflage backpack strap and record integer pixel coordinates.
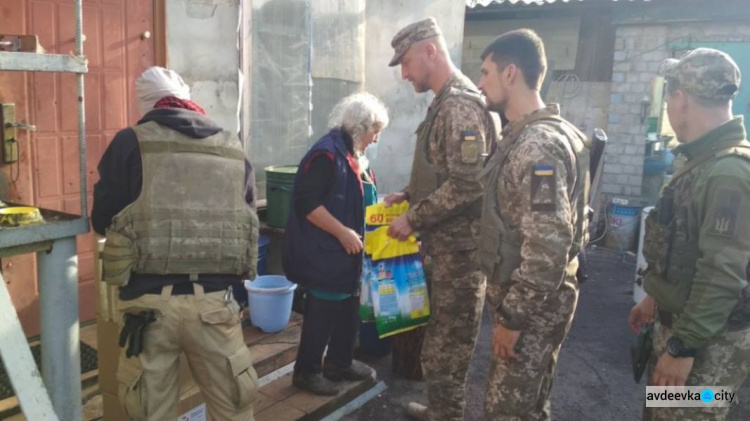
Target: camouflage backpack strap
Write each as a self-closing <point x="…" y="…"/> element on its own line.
<point x="430" y="120"/>
<point x="463" y="92"/>
<point x="732" y="149"/>
<point x="492" y="120"/>
<point x="743" y="151"/>
<point x="569" y="131"/>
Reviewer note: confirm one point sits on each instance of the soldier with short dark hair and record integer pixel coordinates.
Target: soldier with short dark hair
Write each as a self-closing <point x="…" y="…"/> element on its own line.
<point x="444" y="193"/>
<point x="697" y="241"/>
<point x="533" y="227"/>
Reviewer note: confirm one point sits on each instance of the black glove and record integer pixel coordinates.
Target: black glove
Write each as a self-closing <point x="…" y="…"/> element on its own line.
<point x="133" y="329"/>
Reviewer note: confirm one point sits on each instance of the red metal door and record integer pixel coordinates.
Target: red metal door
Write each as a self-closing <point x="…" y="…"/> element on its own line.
<point x="49" y="177"/>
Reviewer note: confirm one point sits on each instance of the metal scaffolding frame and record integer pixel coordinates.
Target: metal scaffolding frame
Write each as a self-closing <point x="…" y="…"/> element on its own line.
<point x="55" y="243"/>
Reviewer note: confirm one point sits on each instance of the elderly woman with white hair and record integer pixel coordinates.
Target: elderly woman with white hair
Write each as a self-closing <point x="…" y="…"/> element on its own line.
<point x="323" y="242"/>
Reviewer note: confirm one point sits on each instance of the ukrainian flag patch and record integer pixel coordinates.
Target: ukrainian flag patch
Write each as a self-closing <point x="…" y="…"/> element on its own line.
<point x="543" y="189"/>
<point x="544" y="170"/>
<point x="469" y="147"/>
<point x="468" y="136"/>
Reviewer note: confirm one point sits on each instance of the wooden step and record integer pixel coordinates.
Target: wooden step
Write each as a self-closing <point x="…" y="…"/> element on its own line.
<point x="280" y="401"/>
<point x="270" y="352"/>
<point x="273" y="351"/>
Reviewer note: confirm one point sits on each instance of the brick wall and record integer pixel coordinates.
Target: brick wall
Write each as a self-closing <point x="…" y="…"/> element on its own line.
<point x="639" y="49"/>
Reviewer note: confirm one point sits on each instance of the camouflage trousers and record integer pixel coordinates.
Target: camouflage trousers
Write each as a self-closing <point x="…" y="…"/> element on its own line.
<point x="725" y="361"/>
<point x="519" y="390"/>
<point x="456" y="297"/>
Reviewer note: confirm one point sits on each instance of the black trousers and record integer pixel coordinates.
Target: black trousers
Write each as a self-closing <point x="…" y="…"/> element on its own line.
<point x="332" y="323"/>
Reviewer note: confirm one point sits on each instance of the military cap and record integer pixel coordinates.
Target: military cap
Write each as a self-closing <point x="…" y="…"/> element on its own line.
<point x="705" y="73"/>
<point x="417" y="31"/>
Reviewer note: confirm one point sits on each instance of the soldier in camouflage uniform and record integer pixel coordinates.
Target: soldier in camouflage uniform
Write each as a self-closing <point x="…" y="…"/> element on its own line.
<point x="444" y="193"/>
<point x="697" y="242"/>
<point x="533" y="227"/>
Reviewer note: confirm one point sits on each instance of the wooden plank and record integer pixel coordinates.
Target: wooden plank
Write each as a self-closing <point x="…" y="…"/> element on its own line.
<point x="262" y="402"/>
<point x="254" y="335"/>
<point x="349" y="392"/>
<point x="8" y="407"/>
<point x="296" y="404"/>
<point x="25" y="377"/>
<point x="280" y="412"/>
<point x="280" y="389"/>
<point x="88" y="335"/>
<point x="276" y="351"/>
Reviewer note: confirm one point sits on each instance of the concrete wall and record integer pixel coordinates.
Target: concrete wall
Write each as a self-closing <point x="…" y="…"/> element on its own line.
<point x="351" y="51"/>
<point x="202" y="45"/>
<point x="584" y="104"/>
<point x="560" y="36"/>
<point x="639" y="50"/>
<point x="392" y="162"/>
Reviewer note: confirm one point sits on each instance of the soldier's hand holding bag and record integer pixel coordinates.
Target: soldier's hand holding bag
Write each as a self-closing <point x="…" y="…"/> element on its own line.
<point x="397" y="283"/>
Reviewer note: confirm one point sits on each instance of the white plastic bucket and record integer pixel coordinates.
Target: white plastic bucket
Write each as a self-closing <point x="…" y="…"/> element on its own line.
<point x="638" y="292"/>
<point x="623" y="227"/>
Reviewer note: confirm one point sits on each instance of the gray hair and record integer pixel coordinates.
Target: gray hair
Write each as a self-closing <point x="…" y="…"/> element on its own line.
<point x="358" y="114"/>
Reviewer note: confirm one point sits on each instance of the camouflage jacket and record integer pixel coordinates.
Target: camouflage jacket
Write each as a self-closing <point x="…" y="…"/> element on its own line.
<point x="539" y="193"/>
<point x="444" y="182"/>
<point x="697" y="242"/>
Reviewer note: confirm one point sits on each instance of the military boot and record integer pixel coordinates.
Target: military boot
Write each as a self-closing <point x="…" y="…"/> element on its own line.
<point x="416" y="411"/>
<point x="356" y="371"/>
<point x="314" y="383"/>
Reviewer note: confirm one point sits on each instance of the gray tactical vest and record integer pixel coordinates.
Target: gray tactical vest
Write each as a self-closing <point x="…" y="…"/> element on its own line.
<point x="191" y="216"/>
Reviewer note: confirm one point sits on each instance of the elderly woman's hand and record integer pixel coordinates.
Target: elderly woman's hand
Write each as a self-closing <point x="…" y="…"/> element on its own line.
<point x="350" y="241"/>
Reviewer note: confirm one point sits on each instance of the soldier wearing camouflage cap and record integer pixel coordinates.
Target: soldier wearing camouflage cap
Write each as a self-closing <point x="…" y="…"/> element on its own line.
<point x="533" y="228"/>
<point x="444" y="193"/>
<point x="697" y="241"/>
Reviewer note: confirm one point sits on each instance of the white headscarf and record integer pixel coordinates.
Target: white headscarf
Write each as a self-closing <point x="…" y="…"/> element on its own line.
<point x="156" y="83"/>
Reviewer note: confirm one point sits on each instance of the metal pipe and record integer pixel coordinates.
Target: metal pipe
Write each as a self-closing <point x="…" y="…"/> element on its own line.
<point x="309" y="23"/>
<point x="81" y="111"/>
<point x="58" y="299"/>
<point x="19" y="363"/>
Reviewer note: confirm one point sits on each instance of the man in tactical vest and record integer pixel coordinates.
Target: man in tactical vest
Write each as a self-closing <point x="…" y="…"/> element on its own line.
<point x="697" y="242"/>
<point x="533" y="227"/>
<point x="444" y="194"/>
<point x="176" y="201"/>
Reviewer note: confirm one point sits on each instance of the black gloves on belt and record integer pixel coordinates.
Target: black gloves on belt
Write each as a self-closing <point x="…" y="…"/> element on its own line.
<point x="132" y="331"/>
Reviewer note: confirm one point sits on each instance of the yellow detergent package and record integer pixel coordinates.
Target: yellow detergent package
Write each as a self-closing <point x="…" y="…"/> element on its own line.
<point x="394" y="288"/>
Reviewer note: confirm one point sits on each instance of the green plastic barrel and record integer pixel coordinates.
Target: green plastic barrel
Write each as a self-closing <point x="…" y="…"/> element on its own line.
<point x="279" y="183"/>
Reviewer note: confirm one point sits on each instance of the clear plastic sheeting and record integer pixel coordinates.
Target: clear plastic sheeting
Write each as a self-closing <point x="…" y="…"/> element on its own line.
<point x="281" y="84"/>
<point x="485" y="3"/>
<point x="338" y="56"/>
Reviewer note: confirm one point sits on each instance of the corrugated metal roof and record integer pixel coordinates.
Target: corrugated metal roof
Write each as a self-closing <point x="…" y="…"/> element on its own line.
<point x="474" y="3"/>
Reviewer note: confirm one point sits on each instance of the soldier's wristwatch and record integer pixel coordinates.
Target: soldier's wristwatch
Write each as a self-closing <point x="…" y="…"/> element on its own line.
<point x="677" y="349"/>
